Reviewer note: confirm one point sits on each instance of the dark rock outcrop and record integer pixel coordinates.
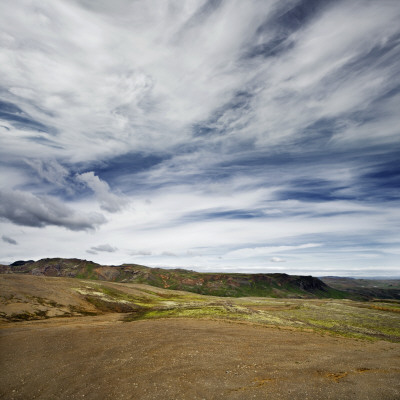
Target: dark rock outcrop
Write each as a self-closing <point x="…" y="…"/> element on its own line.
<point x="20" y="263"/>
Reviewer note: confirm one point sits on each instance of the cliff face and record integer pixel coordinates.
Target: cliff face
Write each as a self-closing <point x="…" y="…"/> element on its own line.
<point x="235" y="285"/>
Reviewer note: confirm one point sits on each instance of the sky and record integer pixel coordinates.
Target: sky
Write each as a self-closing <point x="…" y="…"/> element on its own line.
<point x="243" y="136"/>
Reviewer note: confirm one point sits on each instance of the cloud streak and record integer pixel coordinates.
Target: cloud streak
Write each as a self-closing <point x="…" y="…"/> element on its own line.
<point x="277" y="259"/>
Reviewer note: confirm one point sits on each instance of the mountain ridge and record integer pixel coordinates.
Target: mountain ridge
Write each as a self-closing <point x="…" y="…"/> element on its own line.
<point x="217" y="284"/>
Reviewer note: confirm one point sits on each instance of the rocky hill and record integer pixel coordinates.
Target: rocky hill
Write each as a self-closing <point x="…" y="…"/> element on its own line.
<point x="217" y="284"/>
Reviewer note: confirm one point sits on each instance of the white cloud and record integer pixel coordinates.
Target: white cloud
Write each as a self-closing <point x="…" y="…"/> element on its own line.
<point x="108" y="201"/>
<point x="277" y="260"/>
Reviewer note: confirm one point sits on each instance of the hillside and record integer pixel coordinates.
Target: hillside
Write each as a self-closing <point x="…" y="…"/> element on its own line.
<point x="216" y="284"/>
<point x="25" y="297"/>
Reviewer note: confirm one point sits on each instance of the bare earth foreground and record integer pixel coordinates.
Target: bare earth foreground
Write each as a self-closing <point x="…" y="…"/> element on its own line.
<point x="100" y="357"/>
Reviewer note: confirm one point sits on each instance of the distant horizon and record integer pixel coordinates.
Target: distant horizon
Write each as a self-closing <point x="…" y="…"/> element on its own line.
<point x="249" y="136"/>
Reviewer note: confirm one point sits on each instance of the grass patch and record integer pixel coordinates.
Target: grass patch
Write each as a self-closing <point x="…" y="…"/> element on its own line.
<point x="184" y="312"/>
<point x="339" y="317"/>
<point x="106" y="305"/>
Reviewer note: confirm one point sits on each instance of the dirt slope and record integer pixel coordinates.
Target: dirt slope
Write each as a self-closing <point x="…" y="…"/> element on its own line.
<point x="27" y="297"/>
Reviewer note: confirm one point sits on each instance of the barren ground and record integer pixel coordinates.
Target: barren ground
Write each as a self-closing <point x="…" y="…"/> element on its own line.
<point x="101" y="357"/>
<point x="180" y="345"/>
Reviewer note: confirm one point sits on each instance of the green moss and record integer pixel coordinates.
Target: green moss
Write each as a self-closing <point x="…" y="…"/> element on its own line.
<point x="89" y="269"/>
<point x="112" y="306"/>
<point x="180" y="313"/>
<point x="119" y="295"/>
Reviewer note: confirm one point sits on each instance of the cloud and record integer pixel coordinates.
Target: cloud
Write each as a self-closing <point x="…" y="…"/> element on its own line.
<point x="253" y="80"/>
<point x="141" y="253"/>
<point x="104" y="248"/>
<point x="265" y="250"/>
<point x="168" y="254"/>
<point x="26" y="209"/>
<point x="50" y="171"/>
<point x="139" y="104"/>
<point x="9" y="240"/>
<point x="108" y="201"/>
<point x="277" y="260"/>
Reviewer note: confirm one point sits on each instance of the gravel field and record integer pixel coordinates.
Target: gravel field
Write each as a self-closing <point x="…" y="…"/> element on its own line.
<point x="101" y="357"/>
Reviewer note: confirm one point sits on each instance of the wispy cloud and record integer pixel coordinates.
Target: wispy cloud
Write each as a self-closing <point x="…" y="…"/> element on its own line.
<point x="261" y="251"/>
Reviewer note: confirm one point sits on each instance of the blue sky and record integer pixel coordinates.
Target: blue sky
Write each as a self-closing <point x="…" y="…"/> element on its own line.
<point x="248" y="136"/>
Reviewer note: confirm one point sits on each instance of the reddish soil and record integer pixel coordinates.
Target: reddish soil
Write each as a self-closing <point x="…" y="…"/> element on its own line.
<point x="103" y="358"/>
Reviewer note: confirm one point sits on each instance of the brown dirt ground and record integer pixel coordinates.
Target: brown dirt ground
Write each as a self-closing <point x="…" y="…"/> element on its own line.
<point x="103" y="358"/>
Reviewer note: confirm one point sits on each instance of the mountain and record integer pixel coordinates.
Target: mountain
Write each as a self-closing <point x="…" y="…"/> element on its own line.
<point x="217" y="284"/>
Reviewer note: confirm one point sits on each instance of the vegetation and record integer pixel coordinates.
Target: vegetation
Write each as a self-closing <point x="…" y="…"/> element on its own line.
<point x="341" y="317"/>
<point x="372" y="320"/>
